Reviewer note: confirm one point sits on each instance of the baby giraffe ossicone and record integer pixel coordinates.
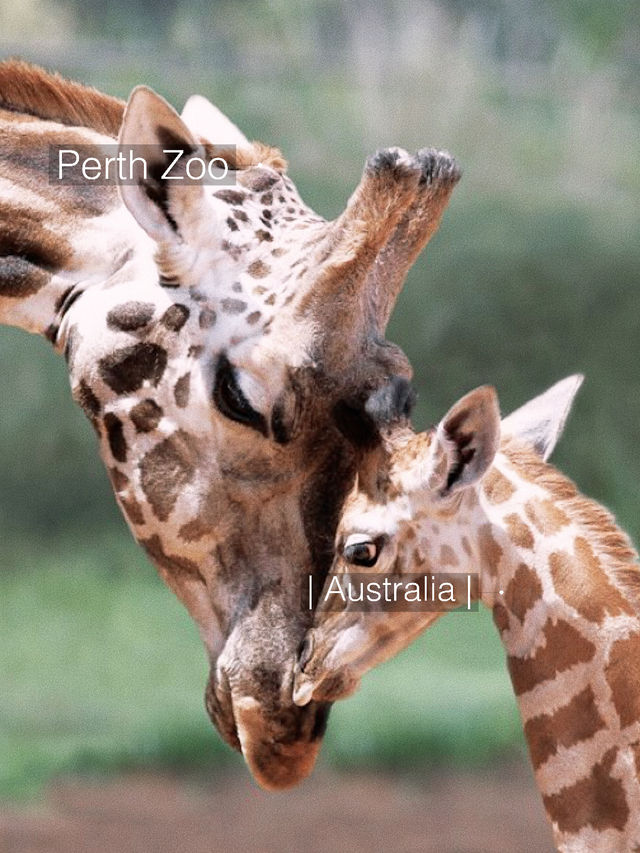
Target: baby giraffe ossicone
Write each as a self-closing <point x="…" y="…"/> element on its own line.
<point x="476" y="495"/>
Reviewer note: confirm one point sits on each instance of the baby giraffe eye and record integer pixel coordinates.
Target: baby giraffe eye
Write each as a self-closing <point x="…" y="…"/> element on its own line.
<point x="360" y="550"/>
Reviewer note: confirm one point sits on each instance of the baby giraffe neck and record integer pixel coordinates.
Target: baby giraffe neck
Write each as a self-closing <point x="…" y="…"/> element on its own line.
<point x="565" y="591"/>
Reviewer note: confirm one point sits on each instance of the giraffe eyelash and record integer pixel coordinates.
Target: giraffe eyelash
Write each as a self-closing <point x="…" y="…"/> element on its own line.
<point x="231" y="402"/>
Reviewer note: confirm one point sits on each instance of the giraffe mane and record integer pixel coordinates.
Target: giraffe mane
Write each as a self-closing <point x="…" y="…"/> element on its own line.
<point x="30" y="90"/>
<point x="255" y="154"/>
<point x="613" y="544"/>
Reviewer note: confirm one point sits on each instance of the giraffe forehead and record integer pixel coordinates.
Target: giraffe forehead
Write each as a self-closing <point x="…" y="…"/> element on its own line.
<point x="365" y="517"/>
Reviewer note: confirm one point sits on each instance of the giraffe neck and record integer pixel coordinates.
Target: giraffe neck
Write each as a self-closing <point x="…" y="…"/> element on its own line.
<point x="568" y="619"/>
<point x="56" y="241"/>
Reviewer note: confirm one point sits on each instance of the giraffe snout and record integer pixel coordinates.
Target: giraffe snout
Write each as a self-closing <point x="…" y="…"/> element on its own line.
<point x="254" y="713"/>
<point x="280" y="746"/>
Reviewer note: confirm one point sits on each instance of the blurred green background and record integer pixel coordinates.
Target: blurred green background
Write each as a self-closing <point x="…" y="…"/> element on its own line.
<point x="533" y="275"/>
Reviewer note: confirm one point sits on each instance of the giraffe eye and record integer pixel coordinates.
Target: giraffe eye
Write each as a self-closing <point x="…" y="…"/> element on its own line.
<point x="230" y="400"/>
<point x="359" y="550"/>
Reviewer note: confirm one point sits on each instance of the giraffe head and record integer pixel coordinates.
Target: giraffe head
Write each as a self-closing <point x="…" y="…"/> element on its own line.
<point x="234" y="367"/>
<point x="417" y="511"/>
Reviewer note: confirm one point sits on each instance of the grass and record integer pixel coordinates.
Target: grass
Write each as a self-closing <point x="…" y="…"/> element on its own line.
<point x="101" y="669"/>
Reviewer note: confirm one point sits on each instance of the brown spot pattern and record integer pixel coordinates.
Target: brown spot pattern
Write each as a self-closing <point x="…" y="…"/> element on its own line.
<point x="130" y="505"/>
<point x="563" y="648"/>
<point x="130" y="316"/>
<point x="546" y="517"/>
<point x="127" y="368"/>
<point x="577" y="721"/>
<point x="170" y="564"/>
<point x="501" y="618"/>
<point x="146" y="415"/>
<point x="523" y="591"/>
<point x="175" y="317"/>
<point x="519" y="532"/>
<point x="257" y="179"/>
<point x="181" y="390"/>
<point x="165" y="471"/>
<point x="233" y="306"/>
<point x="119" y="479"/>
<point x="231" y="196"/>
<point x="497" y="487"/>
<point x="87" y="400"/>
<point x="582" y="583"/>
<point x="598" y="800"/>
<point x="207" y="318"/>
<point x="258" y="269"/>
<point x="132" y="510"/>
<point x="194" y="530"/>
<point x="115" y="437"/>
<point x="623" y="677"/>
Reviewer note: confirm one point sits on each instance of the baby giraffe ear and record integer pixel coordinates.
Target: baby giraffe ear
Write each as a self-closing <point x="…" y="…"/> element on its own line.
<point x="540" y="422"/>
<point x="466" y="442"/>
<point x="150" y="121"/>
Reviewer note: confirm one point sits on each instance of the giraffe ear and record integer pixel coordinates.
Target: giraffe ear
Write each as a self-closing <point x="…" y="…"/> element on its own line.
<point x="206" y="121"/>
<point x="460" y="450"/>
<point x="150" y="121"/>
<point x="540" y="422"/>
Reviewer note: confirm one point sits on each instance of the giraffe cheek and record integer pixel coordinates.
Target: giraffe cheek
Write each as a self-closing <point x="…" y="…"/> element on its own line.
<point x="338" y="685"/>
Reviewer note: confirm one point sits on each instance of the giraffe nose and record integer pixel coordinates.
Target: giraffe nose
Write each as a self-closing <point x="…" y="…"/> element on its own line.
<point x="279" y="757"/>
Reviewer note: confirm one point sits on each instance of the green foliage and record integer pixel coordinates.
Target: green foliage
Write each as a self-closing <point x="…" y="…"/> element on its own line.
<point x="102" y="670"/>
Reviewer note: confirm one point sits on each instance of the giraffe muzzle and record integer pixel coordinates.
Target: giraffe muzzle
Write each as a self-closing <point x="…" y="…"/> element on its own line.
<point x="278" y="740"/>
<point x="278" y="756"/>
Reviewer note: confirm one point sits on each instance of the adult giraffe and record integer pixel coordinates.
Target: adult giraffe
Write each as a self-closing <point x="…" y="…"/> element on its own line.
<point x="227" y="345"/>
<point x="561" y="578"/>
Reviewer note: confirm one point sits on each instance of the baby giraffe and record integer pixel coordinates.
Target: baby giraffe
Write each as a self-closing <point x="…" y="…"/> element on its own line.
<point x="475" y="495"/>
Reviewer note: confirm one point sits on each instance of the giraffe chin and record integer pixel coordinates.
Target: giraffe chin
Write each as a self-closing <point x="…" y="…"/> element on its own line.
<point x="277" y="765"/>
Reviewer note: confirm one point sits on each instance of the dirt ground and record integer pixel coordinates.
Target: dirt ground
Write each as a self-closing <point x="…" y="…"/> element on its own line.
<point x="151" y="813"/>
